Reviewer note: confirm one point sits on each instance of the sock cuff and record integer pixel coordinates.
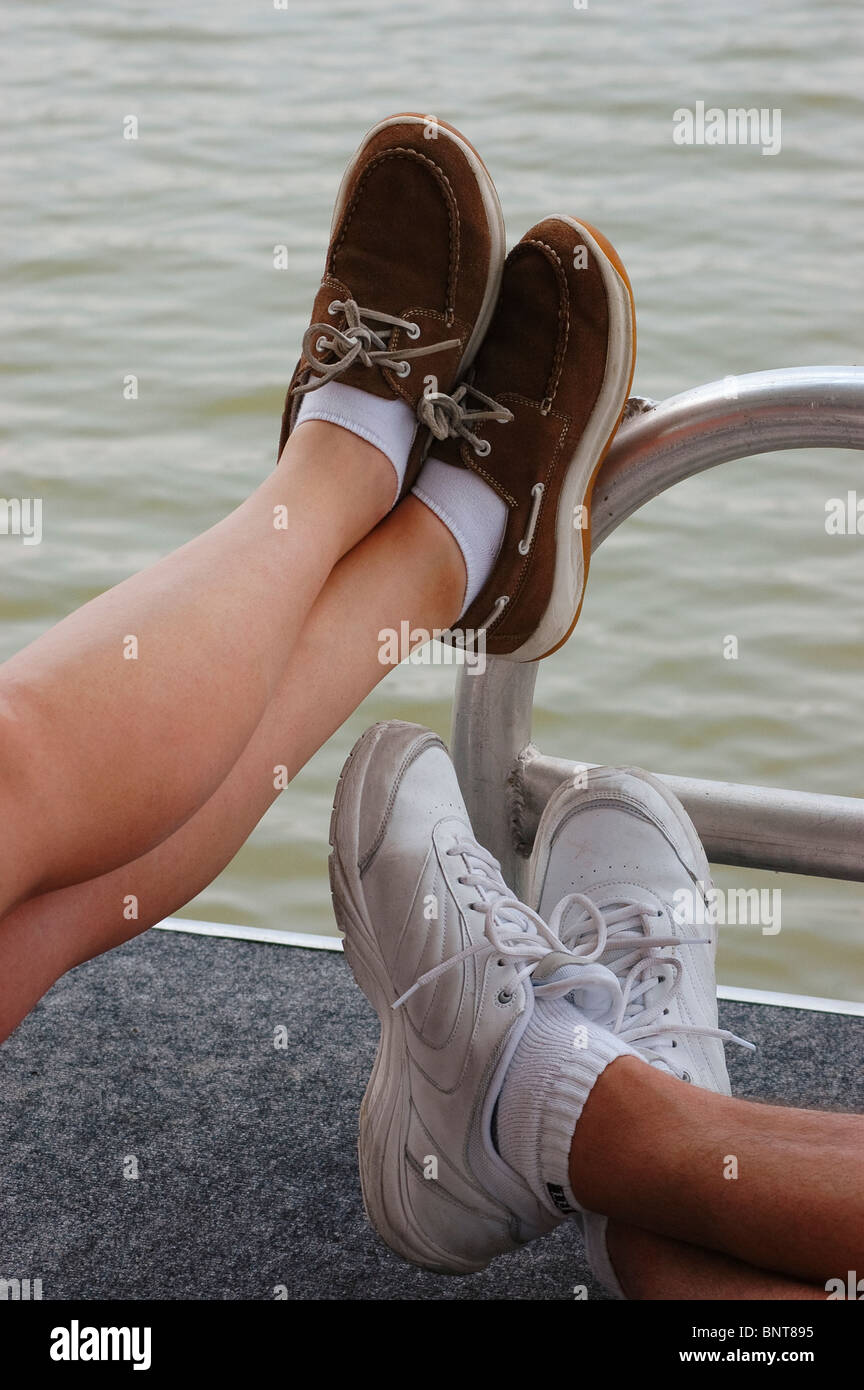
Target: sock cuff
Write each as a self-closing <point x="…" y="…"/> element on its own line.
<point x="472" y="511"/>
<point x="443" y="514"/>
<point x="389" y="425"/>
<point x="348" y="422"/>
<point x="557" y="1063"/>
<point x="567" y="1090"/>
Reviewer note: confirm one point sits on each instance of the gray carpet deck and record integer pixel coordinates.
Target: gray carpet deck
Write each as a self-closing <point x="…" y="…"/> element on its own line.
<point x="162" y="1054"/>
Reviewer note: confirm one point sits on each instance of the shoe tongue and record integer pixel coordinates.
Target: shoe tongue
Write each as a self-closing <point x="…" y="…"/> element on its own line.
<point x="596" y="991"/>
<point x="551" y="964"/>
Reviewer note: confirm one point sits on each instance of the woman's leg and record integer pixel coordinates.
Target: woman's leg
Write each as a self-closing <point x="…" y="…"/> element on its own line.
<point x="408" y="568"/>
<point x="121" y="721"/>
<point x="653" y="1152"/>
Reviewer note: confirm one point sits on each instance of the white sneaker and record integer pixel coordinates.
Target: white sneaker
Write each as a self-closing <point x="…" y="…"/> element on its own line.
<point x="627" y="856"/>
<point x="444" y="954"/>
<point x="620" y="864"/>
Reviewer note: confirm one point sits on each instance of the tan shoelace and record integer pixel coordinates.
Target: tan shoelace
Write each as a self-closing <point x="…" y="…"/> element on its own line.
<point x="447" y="416"/>
<point x="359" y="343"/>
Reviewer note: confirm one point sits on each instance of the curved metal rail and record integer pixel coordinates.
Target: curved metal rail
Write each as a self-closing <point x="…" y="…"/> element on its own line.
<point x="658" y="445"/>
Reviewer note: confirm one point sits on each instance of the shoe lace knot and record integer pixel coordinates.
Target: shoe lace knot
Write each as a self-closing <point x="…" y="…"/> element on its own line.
<point x="329" y="351"/>
<point x="623" y="936"/>
<point x="451" y="416"/>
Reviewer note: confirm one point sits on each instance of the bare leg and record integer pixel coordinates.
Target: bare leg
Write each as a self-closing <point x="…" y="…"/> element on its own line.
<point x="121" y="721"/>
<point x="652" y="1267"/>
<point x="409" y="567"/>
<point x="413" y="557"/>
<point x="796" y="1206"/>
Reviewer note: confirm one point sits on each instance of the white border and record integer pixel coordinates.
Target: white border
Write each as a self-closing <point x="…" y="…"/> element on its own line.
<point x="740" y="995"/>
<point x="268" y="934"/>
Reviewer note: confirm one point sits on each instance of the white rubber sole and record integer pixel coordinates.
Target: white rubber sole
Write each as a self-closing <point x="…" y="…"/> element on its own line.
<point x="491" y="207"/>
<point x="571" y="559"/>
<point x="385" y="1111"/>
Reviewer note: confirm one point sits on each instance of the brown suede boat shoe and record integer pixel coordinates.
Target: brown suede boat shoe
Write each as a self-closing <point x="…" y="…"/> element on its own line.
<point x="535" y="418"/>
<point x="412" y="274"/>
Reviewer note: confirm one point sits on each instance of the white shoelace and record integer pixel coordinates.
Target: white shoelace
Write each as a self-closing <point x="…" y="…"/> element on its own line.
<point x="512" y="931"/>
<point x="638" y="969"/>
<point x="358" y="342"/>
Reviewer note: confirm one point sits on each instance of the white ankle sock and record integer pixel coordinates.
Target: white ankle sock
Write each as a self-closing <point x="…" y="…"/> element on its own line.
<point x="474" y="514"/>
<point x="389" y="424"/>
<point x="559" y="1058"/>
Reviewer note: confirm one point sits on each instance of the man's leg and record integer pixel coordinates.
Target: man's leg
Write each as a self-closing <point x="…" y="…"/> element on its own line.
<point x="533" y="1100"/>
<point x="409" y="567"/>
<point x="651" y="1151"/>
<point x="121" y="721"/>
<point x="654" y="1267"/>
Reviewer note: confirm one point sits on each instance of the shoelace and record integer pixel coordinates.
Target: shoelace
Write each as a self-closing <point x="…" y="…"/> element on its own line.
<point x="358" y="342"/>
<point x="449" y="416"/>
<point x="512" y="931"/>
<point x="638" y="970"/>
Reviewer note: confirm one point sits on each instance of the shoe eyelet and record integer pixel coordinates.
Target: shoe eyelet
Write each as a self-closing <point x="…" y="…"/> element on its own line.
<point x="674" y="1043"/>
<point x="413" y="329"/>
<point x="334" y="306"/>
<point x="322" y="344"/>
<point x="482" y="448"/>
<point x="402" y="368"/>
<point x="504" y="997"/>
<point x="685" y="1076"/>
<point x="502" y="962"/>
<point x="665" y="1011"/>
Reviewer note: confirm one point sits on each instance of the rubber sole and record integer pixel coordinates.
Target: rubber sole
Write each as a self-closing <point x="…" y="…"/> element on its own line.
<point x="384" y="1113"/>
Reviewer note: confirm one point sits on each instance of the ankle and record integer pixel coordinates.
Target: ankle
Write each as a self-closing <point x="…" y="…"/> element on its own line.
<point x="474" y="514"/>
<point x="447" y="575"/>
<point x="388" y="425"/>
<point x="331" y="468"/>
<point x="559" y="1060"/>
<point x="668" y="1124"/>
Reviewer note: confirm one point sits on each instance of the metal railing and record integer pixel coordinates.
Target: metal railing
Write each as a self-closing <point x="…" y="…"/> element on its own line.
<point x="506" y="781"/>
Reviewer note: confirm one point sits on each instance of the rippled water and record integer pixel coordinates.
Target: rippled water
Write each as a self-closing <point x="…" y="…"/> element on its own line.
<point x="155" y="257"/>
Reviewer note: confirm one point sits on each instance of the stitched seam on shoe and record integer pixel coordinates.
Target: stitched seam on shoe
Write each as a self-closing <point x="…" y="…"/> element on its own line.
<point x="469" y="459"/>
<point x="630" y="803"/>
<point x="446" y="1195"/>
<point x="526" y="566"/>
<point x="563" y="334"/>
<point x="394" y="382"/>
<point x="329" y="282"/>
<point x="429" y="741"/>
<point x="454" y="223"/>
<point x="468" y="456"/>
